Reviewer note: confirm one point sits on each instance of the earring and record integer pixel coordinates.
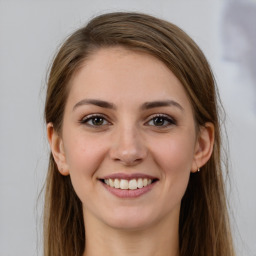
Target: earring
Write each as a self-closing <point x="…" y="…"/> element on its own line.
<point x="61" y="170"/>
<point x="198" y="170"/>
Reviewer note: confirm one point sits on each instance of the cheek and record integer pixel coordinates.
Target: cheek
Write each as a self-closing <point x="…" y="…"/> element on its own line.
<point x="177" y="155"/>
<point x="83" y="155"/>
<point x="175" y="160"/>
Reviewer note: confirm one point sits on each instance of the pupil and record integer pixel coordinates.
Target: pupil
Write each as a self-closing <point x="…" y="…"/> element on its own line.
<point x="98" y="121"/>
<point x="158" y="121"/>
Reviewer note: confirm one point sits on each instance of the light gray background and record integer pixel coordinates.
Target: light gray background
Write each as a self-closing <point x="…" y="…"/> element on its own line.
<point x="30" y="32"/>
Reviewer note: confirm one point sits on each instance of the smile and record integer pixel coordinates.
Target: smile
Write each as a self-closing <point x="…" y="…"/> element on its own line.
<point x="131" y="184"/>
<point x="125" y="185"/>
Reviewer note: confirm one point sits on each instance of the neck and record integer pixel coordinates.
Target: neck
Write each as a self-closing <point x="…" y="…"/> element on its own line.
<point x="158" y="239"/>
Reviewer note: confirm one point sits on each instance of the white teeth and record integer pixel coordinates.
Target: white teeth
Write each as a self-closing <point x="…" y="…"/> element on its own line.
<point x="133" y="184"/>
<point x="140" y="183"/>
<point x="124" y="184"/>
<point x="117" y="183"/>
<point x="111" y="183"/>
<point x="128" y="184"/>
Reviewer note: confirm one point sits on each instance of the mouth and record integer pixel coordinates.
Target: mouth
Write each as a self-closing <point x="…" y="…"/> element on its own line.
<point x="128" y="184"/>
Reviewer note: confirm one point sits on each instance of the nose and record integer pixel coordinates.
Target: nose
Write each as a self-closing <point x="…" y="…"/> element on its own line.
<point x="128" y="146"/>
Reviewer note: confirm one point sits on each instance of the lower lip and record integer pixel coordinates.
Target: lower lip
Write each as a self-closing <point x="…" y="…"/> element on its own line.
<point x="129" y="193"/>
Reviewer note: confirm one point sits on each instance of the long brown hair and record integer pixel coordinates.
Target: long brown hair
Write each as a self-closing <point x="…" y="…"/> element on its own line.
<point x="204" y="224"/>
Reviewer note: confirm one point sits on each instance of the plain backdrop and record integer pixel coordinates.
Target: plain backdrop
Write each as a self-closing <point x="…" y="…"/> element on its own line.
<point x="30" y="33"/>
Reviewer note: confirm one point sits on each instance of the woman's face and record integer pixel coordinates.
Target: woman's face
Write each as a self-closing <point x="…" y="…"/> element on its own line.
<point x="128" y="140"/>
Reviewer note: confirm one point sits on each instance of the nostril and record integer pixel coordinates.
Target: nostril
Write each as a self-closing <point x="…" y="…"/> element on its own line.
<point x="130" y="161"/>
<point x="128" y="148"/>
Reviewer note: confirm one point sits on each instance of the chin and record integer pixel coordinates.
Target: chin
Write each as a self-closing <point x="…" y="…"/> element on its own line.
<point x="130" y="219"/>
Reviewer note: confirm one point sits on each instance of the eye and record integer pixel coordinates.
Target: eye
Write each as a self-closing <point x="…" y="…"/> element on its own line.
<point x="161" y="121"/>
<point x="95" y="120"/>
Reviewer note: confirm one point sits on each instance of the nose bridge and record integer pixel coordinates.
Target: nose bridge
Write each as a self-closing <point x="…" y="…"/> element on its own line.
<point x="128" y="145"/>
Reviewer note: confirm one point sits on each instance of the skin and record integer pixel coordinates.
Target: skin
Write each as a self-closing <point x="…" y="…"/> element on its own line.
<point x="129" y="139"/>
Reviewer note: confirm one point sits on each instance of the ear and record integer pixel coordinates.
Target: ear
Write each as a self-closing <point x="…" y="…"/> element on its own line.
<point x="204" y="146"/>
<point x="57" y="148"/>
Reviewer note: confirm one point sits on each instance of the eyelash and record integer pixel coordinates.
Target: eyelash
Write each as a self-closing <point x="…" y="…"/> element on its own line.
<point x="90" y="118"/>
<point x="165" y="118"/>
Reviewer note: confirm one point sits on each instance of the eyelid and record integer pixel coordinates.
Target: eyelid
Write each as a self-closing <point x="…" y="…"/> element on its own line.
<point x="86" y="118"/>
<point x="171" y="120"/>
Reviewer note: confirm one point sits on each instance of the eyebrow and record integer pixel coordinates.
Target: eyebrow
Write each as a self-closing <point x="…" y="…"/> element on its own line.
<point x="145" y="106"/>
<point x="160" y="103"/>
<point x="99" y="103"/>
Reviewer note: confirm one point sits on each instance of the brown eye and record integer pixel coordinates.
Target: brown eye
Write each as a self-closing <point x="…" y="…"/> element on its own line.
<point x="161" y="121"/>
<point x="97" y="121"/>
<point x="94" y="120"/>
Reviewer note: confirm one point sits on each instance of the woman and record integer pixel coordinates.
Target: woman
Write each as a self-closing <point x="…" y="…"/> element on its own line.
<point x="133" y="127"/>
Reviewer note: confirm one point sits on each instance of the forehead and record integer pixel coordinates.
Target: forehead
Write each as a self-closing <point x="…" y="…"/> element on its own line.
<point x="126" y="75"/>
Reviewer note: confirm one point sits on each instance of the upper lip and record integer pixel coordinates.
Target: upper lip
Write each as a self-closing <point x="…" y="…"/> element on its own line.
<point x="128" y="176"/>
